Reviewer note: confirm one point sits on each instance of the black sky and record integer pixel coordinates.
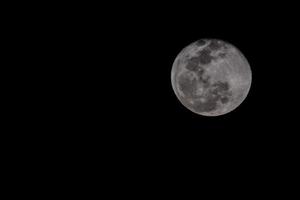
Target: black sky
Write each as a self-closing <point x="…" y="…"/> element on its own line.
<point x="97" y="89"/>
<point x="130" y="52"/>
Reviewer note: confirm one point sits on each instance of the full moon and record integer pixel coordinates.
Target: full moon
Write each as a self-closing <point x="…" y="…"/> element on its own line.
<point x="211" y="77"/>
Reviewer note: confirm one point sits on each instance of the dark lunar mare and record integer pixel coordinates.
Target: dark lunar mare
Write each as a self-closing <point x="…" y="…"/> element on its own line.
<point x="195" y="64"/>
<point x="188" y="86"/>
<point x="216" y="92"/>
<point x="200" y="42"/>
<point x="204" y="56"/>
<point x="215" y="45"/>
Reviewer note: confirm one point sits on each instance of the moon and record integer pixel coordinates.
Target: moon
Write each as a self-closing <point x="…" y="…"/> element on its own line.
<point x="211" y="77"/>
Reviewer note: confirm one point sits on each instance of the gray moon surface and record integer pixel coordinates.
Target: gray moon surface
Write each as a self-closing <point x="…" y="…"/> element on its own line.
<point x="211" y="77"/>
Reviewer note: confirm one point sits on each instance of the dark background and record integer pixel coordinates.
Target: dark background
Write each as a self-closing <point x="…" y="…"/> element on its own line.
<point x="145" y="116"/>
<point x="108" y="74"/>
<point x="97" y="91"/>
<point x="147" y="38"/>
<point x="138" y="116"/>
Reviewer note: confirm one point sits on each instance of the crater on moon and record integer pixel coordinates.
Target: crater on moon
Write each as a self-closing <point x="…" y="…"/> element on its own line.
<point x="211" y="77"/>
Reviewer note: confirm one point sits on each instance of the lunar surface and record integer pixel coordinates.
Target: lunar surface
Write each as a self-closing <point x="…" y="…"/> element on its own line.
<point x="211" y="77"/>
